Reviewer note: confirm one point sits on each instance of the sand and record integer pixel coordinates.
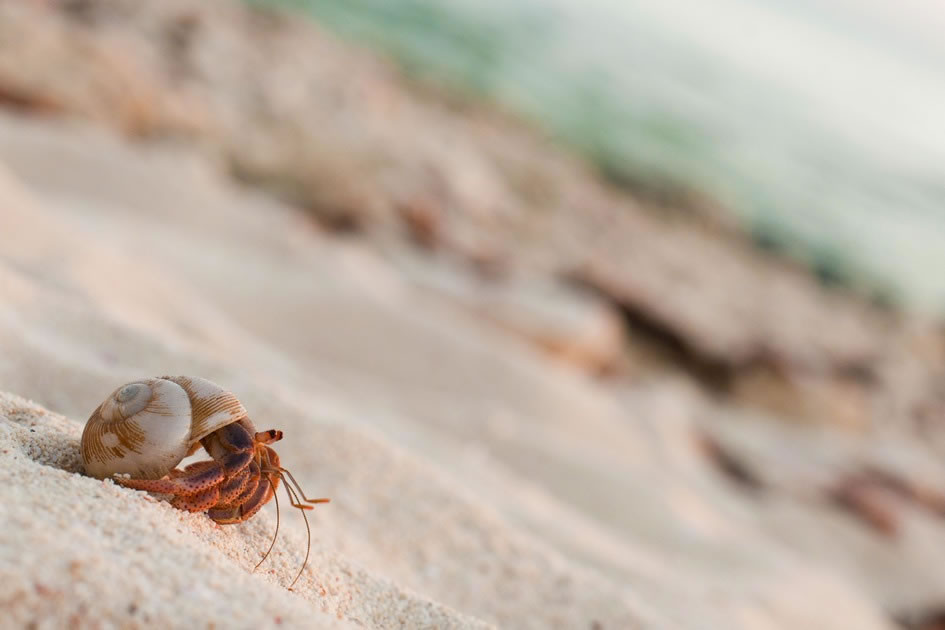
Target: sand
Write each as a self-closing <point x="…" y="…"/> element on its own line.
<point x="474" y="480"/>
<point x="272" y="309"/>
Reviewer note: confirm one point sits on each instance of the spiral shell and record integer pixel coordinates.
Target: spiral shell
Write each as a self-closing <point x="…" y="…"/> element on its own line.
<point x="145" y="428"/>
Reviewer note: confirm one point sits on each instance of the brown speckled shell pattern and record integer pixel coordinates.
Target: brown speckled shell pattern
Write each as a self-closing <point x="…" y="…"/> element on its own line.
<point x="145" y="428"/>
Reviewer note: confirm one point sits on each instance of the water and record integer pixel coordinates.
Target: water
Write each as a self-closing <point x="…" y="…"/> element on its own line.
<point x="821" y="123"/>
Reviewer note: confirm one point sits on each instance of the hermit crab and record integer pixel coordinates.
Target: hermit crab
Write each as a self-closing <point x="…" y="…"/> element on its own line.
<point x="145" y="428"/>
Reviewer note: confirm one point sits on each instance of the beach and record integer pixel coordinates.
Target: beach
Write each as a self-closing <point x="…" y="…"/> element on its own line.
<point x="534" y="401"/>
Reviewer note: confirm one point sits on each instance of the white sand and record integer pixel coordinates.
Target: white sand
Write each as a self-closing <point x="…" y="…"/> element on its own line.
<point x="473" y="481"/>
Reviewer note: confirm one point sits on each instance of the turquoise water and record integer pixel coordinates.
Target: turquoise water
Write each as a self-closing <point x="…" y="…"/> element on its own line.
<point x="821" y="123"/>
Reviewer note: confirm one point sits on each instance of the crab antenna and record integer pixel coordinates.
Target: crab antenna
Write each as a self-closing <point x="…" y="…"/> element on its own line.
<point x="308" y="532"/>
<point x="293" y="494"/>
<point x="293" y="490"/>
<point x="299" y="488"/>
<point x="275" y="535"/>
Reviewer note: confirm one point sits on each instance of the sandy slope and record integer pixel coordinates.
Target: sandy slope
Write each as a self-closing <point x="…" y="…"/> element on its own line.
<point x="474" y="481"/>
<point x="88" y="306"/>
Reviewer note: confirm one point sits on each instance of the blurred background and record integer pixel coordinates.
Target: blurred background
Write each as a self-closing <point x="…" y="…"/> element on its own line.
<point x="817" y="124"/>
<point x="658" y="279"/>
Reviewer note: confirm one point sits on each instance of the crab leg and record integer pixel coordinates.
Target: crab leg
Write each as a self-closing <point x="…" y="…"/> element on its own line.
<point x="193" y="479"/>
<point x="234" y="487"/>
<point x="199" y="502"/>
<point x="244" y="510"/>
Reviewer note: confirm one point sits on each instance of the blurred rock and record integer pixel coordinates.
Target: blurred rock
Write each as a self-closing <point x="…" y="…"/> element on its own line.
<point x="933" y="619"/>
<point x="870" y="502"/>
<point x="569" y="325"/>
<point x="424" y="221"/>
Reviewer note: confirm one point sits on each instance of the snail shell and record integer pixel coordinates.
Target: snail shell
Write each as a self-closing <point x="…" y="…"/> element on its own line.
<point x="145" y="428"/>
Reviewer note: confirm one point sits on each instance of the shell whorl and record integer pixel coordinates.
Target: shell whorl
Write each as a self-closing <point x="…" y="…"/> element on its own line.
<point x="145" y="428"/>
